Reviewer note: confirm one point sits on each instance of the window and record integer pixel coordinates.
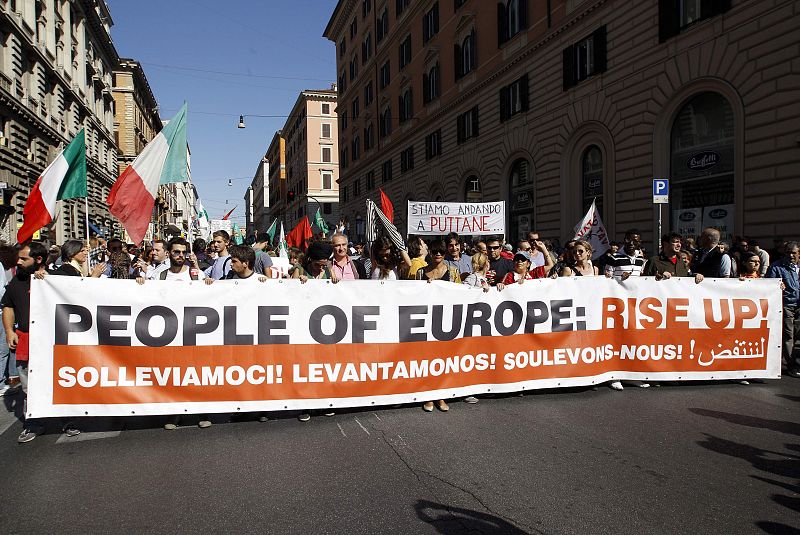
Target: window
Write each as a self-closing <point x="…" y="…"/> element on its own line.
<point x="521" y="189"/>
<point x="514" y="98"/>
<point x="366" y="7"/>
<point x="366" y="48"/>
<point x="433" y="144"/>
<point x="592" y="175"/>
<point x="342" y="47"/>
<point x="345" y="191"/>
<point x="430" y="84"/>
<point x="585" y="58"/>
<point x="382" y="26"/>
<point x="343" y="120"/>
<point x="343" y="159"/>
<point x="369" y="180"/>
<point x="369" y="137"/>
<point x="464" y="55"/>
<point x="385" y="122"/>
<point x="674" y="16"/>
<point x="458" y="3"/>
<point x="467" y="125"/>
<point x="356" y="148"/>
<point x="406" y="106"/>
<point x="401" y="6"/>
<point x="327" y="208"/>
<point x="407" y="159"/>
<point x="356" y="187"/>
<point x="430" y="23"/>
<point x="354" y="67"/>
<point x="326" y="154"/>
<point x="326" y="109"/>
<point x="353" y="28"/>
<point x="342" y="81"/>
<point x="369" y="94"/>
<point x="472" y="189"/>
<point x="355" y="108"/>
<point x="326" y="130"/>
<point x="327" y="180"/>
<point x="385" y="75"/>
<point x="386" y="171"/>
<point x="512" y="18"/>
<point x="405" y="51"/>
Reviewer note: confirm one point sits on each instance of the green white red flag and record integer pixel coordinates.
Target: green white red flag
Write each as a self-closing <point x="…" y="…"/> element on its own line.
<point x="64" y="178"/>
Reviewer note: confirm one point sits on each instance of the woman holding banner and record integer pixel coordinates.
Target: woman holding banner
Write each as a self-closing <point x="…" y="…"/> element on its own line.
<point x="387" y="262"/>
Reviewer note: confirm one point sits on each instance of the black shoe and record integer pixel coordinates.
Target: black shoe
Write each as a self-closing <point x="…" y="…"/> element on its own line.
<point x="793" y="373"/>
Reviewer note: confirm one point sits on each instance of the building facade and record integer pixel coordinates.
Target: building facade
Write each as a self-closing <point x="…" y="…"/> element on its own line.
<point x="256" y="200"/>
<point x="276" y="188"/>
<point x="311" y="150"/>
<point x="56" y="69"/>
<point x="550" y="105"/>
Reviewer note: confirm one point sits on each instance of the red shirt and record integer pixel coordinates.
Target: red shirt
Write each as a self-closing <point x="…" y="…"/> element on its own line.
<point x="536" y="273"/>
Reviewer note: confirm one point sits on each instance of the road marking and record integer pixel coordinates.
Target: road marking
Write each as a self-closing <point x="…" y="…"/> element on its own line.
<point x="340" y="429"/>
<point x="6" y="421"/>
<point x="376" y="416"/>
<point x="83" y="437"/>
<point x="361" y="426"/>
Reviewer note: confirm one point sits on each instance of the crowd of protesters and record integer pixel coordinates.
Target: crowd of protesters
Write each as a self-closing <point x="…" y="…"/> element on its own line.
<point x="485" y="264"/>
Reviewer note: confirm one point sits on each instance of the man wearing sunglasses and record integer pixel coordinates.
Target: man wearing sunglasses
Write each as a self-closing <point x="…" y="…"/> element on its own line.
<point x="182" y="264"/>
<point x="498" y="266"/>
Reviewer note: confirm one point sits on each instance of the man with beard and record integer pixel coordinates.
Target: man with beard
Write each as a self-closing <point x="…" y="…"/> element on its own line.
<point x="16" y="304"/>
<point x="179" y="269"/>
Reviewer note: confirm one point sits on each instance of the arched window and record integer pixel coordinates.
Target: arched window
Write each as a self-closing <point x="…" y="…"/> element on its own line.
<point x="521" y="205"/>
<point x="472" y="189"/>
<point x="467" y="52"/>
<point x="701" y="166"/>
<point x="512" y="13"/>
<point x="592" y="175"/>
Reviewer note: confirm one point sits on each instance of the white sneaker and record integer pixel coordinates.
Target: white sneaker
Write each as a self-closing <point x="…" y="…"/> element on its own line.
<point x="615" y="385"/>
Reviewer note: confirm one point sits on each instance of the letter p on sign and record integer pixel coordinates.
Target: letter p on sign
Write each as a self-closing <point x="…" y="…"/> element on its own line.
<point x="660" y="191"/>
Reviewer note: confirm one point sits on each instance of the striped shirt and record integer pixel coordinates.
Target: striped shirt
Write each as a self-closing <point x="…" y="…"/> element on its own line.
<point x="621" y="263"/>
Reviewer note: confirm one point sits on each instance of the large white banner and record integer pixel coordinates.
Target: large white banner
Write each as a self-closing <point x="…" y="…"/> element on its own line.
<point x="467" y="218"/>
<point x="111" y="347"/>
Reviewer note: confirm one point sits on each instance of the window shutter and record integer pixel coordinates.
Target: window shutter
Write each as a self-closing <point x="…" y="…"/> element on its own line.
<point x="505" y="97"/>
<point x="523" y="14"/>
<point x="599" y="40"/>
<point x="399" y="6"/>
<point x="460" y="129"/>
<point x="668" y="19"/>
<point x="569" y="69"/>
<point x="426" y="91"/>
<point x="435" y="18"/>
<point x="475" y="121"/>
<point x="474" y="49"/>
<point x="410" y="104"/>
<point x="457" y="60"/>
<point x="401" y="107"/>
<point x="502" y="29"/>
<point x="428" y="147"/>
<point x="523" y="91"/>
<point x="438" y="85"/>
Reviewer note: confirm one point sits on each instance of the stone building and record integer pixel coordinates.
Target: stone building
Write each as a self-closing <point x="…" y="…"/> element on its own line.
<point x="549" y="105"/>
<point x="256" y="200"/>
<point x="56" y="65"/>
<point x="311" y="158"/>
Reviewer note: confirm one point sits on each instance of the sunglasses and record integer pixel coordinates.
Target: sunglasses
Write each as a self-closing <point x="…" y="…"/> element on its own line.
<point x="493" y="247"/>
<point x="178" y="253"/>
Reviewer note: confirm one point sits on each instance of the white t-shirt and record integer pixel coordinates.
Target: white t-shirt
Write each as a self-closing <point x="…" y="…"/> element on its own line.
<point x="183" y="275"/>
<point x="376" y="274"/>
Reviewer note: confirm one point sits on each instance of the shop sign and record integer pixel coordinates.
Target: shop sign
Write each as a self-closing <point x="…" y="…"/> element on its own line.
<point x="702" y="161"/>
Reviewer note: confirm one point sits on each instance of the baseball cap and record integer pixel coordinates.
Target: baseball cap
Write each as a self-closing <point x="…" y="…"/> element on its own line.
<point x="522" y="255"/>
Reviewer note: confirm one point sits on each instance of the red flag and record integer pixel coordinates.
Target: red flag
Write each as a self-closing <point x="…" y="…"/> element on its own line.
<point x="386" y="207"/>
<point x="300" y="234"/>
<point x="229" y="213"/>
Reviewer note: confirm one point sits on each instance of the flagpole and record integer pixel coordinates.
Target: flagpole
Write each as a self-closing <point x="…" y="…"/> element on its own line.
<point x="86" y="208"/>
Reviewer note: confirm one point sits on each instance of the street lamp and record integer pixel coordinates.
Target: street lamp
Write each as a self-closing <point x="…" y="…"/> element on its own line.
<point x="241" y="121"/>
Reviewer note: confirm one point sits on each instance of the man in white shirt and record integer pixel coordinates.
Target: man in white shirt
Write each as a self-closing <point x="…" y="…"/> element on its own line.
<point x="182" y="265"/>
<point x="160" y="261"/>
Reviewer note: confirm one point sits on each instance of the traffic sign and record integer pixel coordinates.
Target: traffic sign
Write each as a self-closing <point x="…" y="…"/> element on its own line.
<point x="660" y="191"/>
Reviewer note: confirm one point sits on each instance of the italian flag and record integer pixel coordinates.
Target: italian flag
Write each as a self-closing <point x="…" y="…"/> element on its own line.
<point x="162" y="161"/>
<point x="64" y="178"/>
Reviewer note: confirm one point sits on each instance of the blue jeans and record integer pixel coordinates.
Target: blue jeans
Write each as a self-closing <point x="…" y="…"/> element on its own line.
<point x="8" y="363"/>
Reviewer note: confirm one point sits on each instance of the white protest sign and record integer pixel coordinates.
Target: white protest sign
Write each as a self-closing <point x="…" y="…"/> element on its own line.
<point x="470" y="218"/>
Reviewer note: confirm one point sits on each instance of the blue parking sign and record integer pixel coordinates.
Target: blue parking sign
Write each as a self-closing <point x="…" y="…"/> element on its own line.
<point x="660" y="191"/>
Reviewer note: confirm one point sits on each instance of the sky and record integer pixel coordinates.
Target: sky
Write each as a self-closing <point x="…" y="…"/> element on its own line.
<point x="227" y="58"/>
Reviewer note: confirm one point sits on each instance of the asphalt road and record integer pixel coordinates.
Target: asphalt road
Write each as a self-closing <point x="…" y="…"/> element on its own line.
<point x="695" y="458"/>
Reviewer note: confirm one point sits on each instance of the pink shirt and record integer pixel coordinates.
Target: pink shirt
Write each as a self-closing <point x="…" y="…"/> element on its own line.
<point x="345" y="272"/>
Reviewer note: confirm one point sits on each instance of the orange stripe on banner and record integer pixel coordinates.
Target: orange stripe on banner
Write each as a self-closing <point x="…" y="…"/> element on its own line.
<point x="306" y="371"/>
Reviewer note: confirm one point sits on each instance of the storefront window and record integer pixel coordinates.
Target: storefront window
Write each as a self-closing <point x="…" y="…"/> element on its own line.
<point x="592" y="174"/>
<point x="701" y="167"/>
<point x="520" y="205"/>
